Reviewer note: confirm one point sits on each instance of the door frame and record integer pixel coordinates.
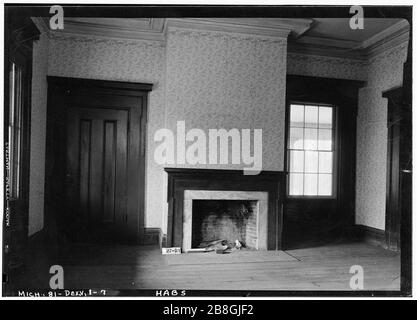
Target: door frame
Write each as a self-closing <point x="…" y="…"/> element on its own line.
<point x="55" y="175"/>
<point x="393" y="201"/>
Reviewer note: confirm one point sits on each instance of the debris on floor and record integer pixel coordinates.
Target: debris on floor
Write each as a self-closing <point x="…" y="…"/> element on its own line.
<point x="222" y="246"/>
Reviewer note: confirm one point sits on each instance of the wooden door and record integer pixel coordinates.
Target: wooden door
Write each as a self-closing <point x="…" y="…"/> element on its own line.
<point x="399" y="169"/>
<point x="399" y="166"/>
<point x="97" y="133"/>
<point x="96" y="171"/>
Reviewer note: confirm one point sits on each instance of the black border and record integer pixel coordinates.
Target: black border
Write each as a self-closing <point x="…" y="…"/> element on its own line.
<point x="224" y="11"/>
<point x="277" y="11"/>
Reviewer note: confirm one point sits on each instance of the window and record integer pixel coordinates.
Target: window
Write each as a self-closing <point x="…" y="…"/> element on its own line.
<point x="311" y="150"/>
<point x="15" y="128"/>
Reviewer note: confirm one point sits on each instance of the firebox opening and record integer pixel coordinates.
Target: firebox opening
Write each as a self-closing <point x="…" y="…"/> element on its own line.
<point x="228" y="220"/>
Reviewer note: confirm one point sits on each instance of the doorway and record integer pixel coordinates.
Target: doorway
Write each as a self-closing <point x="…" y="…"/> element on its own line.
<point x="95" y="163"/>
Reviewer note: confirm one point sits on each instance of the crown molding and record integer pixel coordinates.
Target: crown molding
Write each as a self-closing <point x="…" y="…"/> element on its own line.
<point x="389" y="38"/>
<point x="274" y="28"/>
<point x="42" y="24"/>
<point x="155" y="29"/>
<point x="325" y="51"/>
<point x="327" y="42"/>
<point x="378" y="43"/>
<point x="150" y="29"/>
<point x="390" y="32"/>
<point x="326" y="47"/>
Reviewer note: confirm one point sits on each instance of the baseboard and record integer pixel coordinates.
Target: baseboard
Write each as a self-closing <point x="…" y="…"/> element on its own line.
<point x="164" y="240"/>
<point x="152" y="236"/>
<point x="371" y="235"/>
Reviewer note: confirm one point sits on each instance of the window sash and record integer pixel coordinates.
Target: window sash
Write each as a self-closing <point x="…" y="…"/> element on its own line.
<point x="15" y="129"/>
<point x="312" y="175"/>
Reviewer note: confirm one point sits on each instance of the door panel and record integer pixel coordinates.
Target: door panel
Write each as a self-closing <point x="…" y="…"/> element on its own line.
<point x="399" y="166"/>
<point x="97" y="162"/>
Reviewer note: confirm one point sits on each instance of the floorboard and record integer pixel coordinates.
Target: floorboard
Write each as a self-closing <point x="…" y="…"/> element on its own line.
<point x="143" y="267"/>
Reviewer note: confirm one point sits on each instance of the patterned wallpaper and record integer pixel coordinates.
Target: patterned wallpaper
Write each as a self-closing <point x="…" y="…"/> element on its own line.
<point x="120" y="60"/>
<point x="213" y="80"/>
<point x="384" y="72"/>
<point x="222" y="80"/>
<point x="328" y="67"/>
<point x="38" y="134"/>
<point x="217" y="80"/>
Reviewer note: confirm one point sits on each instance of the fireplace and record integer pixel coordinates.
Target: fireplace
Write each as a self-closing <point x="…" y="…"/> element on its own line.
<point x="228" y="220"/>
<point x="205" y="204"/>
<point x="210" y="215"/>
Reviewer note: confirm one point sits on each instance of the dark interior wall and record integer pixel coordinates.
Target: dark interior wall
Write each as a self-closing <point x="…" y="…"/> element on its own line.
<point x="308" y="220"/>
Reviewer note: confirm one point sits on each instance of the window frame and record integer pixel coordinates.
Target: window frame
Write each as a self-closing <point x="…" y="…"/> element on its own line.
<point x="16" y="128"/>
<point x="335" y="150"/>
<point x="21" y="55"/>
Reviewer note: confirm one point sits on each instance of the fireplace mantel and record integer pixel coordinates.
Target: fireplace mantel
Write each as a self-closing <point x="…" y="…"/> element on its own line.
<point x="180" y="180"/>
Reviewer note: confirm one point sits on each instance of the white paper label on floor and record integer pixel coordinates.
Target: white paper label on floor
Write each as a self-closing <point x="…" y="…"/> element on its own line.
<point x="173" y="250"/>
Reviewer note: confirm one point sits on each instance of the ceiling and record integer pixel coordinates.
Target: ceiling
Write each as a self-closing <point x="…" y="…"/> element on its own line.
<point x="324" y="36"/>
<point x="334" y="37"/>
<point x="339" y="29"/>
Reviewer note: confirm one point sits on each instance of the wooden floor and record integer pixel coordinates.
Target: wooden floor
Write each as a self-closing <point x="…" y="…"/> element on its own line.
<point x="143" y="267"/>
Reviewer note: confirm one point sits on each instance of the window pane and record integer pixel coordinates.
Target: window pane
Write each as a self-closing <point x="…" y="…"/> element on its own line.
<point x="312" y="161"/>
<point x="17" y="133"/>
<point x="296" y="161"/>
<point x="310" y="139"/>
<point x="12" y="108"/>
<point x="325" y="139"/>
<point x="296" y="138"/>
<point x="325" y="184"/>
<point x="296" y="184"/>
<point x="325" y="117"/>
<point x="311" y="116"/>
<point x="325" y="162"/>
<point x="15" y="123"/>
<point x="297" y="115"/>
<point x="310" y="184"/>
